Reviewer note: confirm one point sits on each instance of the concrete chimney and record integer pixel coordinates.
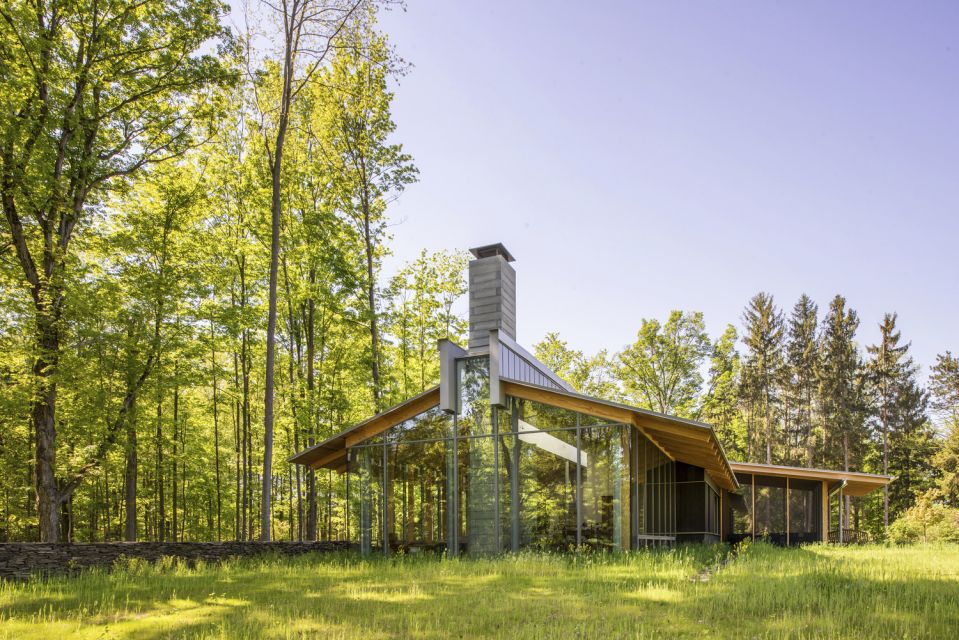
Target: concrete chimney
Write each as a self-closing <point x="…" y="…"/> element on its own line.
<point x="492" y="282"/>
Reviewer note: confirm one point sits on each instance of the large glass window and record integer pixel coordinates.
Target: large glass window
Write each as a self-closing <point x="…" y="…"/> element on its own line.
<point x="527" y="475"/>
<point x="478" y="471"/>
<point x="417" y="497"/>
<point x="409" y="502"/>
<point x="546" y="462"/>
<point x="367" y="501"/>
<point x="432" y="424"/>
<point x="604" y="464"/>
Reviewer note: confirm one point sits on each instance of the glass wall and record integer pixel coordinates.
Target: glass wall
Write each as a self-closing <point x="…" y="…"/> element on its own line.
<point x="479" y="474"/>
<point x="368" y="504"/>
<point x="412" y="513"/>
<point x="416" y="501"/>
<point x="604" y="456"/>
<point x="491" y="479"/>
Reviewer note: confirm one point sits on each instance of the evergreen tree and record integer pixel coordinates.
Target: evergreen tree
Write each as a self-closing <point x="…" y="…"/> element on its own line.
<point x="944" y="388"/>
<point x="912" y="446"/>
<point x="890" y="373"/>
<point x="801" y="359"/>
<point x="946" y="462"/>
<point x="839" y="381"/>
<point x="763" y="366"/>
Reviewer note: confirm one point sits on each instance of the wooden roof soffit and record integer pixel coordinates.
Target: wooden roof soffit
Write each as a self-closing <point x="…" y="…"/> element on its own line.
<point x="857" y="483"/>
<point x="678" y="440"/>
<point x="331" y="453"/>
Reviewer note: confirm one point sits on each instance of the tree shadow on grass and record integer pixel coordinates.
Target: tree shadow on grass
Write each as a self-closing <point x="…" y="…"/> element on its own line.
<point x="766" y="592"/>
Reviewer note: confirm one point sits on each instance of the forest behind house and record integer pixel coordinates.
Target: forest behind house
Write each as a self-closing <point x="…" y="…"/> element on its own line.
<point x="192" y="288"/>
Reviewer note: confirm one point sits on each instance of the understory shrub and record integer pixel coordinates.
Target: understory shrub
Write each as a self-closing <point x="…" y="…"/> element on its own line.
<point x="927" y="521"/>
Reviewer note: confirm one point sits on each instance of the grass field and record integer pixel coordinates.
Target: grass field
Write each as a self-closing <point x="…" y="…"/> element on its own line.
<point x="764" y="592"/>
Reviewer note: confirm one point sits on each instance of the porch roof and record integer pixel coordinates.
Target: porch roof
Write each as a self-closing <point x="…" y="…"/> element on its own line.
<point x="857" y="483"/>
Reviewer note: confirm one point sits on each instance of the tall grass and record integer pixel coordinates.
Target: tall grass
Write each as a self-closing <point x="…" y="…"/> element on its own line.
<point x="764" y="592"/>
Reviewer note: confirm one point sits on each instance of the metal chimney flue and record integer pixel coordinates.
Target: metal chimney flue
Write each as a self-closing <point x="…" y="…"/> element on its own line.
<point x="492" y="289"/>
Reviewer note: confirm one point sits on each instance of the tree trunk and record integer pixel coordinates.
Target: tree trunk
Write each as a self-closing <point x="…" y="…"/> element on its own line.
<point x="130" y="478"/>
<point x="769" y="432"/>
<point x="161" y="520"/>
<point x="295" y="371"/>
<point x="313" y="414"/>
<point x="885" y="466"/>
<point x="216" y="436"/>
<point x="44" y="421"/>
<point x="237" y="430"/>
<point x="371" y="301"/>
<point x="176" y="434"/>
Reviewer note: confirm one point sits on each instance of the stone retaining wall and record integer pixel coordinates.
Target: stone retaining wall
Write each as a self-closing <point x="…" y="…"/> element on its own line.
<point x="20" y="560"/>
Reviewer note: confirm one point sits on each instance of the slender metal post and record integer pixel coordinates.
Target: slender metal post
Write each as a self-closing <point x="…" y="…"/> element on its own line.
<point x="349" y="472"/>
<point x="842" y="516"/>
<point x="787" y="511"/>
<point x="514" y="479"/>
<point x="579" y="485"/>
<point x="453" y="506"/>
<point x="753" y="514"/>
<point x="386" y="502"/>
<point x="497" y="525"/>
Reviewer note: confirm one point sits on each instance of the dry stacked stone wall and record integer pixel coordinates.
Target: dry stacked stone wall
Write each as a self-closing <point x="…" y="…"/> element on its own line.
<point x="21" y="560"/>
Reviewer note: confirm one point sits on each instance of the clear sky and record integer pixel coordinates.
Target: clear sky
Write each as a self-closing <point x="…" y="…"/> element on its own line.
<point x="638" y="157"/>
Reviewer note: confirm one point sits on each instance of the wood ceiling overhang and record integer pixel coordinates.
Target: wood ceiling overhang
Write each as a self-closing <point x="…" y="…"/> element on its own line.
<point x="681" y="440"/>
<point x="331" y="453"/>
<point x="857" y="484"/>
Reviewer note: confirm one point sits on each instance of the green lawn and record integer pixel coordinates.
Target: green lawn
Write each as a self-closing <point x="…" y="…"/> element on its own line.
<point x="765" y="592"/>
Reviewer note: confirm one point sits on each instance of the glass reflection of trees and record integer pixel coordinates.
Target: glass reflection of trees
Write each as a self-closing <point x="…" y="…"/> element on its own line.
<point x="415" y="503"/>
<point x="527" y="475"/>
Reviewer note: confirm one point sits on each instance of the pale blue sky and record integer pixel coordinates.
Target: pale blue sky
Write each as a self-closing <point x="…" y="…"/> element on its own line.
<point x="638" y="157"/>
<point x="642" y="156"/>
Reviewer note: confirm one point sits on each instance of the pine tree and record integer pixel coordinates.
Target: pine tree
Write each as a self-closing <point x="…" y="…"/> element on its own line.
<point x="889" y="372"/>
<point x="763" y="366"/>
<point x="839" y="383"/>
<point x="802" y="360"/>
<point x="944" y="388"/>
<point x="912" y="446"/>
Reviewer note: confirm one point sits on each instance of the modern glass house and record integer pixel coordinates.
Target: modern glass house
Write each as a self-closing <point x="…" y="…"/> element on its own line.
<point x="503" y="455"/>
